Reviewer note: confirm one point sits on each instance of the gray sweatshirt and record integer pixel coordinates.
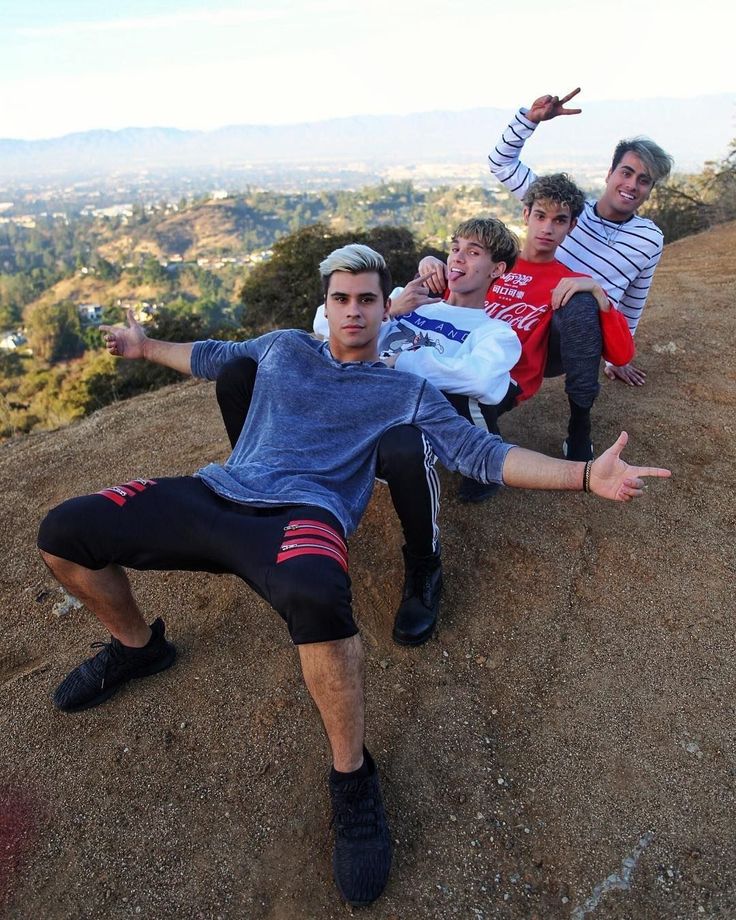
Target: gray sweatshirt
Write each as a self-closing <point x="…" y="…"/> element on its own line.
<point x="314" y="424"/>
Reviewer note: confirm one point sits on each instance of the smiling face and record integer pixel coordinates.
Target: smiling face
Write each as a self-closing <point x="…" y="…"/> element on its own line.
<point x="470" y="272"/>
<point x="627" y="188"/>
<point x="355" y="308"/>
<point x="547" y="223"/>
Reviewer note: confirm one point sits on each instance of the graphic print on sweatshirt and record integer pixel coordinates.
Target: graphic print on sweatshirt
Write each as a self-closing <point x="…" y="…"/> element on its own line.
<point x="509" y="300"/>
<point x="415" y="331"/>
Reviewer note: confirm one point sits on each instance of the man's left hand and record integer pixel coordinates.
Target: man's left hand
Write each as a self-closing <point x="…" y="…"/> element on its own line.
<point x="611" y="477"/>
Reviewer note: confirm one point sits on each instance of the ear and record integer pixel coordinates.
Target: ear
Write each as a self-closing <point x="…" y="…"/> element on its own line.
<point x="573" y="224"/>
<point x="525" y="213"/>
<point x="498" y="270"/>
<point x="387" y="309"/>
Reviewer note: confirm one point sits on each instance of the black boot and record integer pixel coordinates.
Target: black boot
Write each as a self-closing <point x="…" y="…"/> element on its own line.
<point x="577" y="445"/>
<point x="417" y="615"/>
<point x="471" y="492"/>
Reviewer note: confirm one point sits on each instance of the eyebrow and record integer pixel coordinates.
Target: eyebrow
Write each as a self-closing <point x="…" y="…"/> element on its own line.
<point x="644" y="172"/>
<point x="456" y="239"/>
<point x="359" y="294"/>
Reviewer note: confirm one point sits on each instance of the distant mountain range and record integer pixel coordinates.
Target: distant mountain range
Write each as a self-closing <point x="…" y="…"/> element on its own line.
<point x="693" y="130"/>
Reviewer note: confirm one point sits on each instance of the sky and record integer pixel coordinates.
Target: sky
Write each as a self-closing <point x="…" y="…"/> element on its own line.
<point x="78" y="65"/>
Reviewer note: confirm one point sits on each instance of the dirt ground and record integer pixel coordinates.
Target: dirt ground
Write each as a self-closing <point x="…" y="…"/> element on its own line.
<point x="563" y="748"/>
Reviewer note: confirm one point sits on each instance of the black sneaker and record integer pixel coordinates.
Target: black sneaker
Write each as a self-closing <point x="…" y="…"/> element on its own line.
<point x="578" y="449"/>
<point x="97" y="678"/>
<point x="361" y="859"/>
<point x="473" y="492"/>
<point x="417" y="615"/>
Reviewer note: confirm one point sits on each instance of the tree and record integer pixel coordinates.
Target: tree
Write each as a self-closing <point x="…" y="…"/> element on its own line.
<point x="54" y="332"/>
<point x="286" y="290"/>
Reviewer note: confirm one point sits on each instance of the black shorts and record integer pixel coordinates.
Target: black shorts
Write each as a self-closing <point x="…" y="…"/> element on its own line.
<point x="294" y="556"/>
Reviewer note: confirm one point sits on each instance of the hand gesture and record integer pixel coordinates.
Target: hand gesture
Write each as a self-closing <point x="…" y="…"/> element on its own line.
<point x="611" y="477"/>
<point x="547" y="107"/>
<point x="125" y="341"/>
<point x="435" y="272"/>
<point x="569" y="286"/>
<point x="415" y="294"/>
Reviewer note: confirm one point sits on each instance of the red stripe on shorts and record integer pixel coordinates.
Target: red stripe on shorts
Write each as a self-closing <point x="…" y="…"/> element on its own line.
<point x="311" y="551"/>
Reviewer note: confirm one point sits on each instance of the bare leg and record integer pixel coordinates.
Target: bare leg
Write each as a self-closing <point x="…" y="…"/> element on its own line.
<point x="106" y="592"/>
<point x="333" y="673"/>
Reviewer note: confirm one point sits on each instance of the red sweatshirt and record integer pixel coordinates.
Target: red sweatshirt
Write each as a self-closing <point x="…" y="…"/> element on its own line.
<point x="521" y="298"/>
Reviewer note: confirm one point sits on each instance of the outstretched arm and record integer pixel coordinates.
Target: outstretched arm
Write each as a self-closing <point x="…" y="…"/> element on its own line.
<point x="130" y="341"/>
<point x="610" y="476"/>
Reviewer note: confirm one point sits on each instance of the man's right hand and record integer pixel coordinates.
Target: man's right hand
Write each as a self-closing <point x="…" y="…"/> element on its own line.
<point x="547" y="107"/>
<point x="126" y="341"/>
<point x="434" y="273"/>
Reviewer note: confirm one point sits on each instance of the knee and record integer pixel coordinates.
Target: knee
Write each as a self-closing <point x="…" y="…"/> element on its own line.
<point x="236" y="377"/>
<point x="68" y="536"/>
<point x="56" y="531"/>
<point x="315" y="601"/>
<point x="580" y="310"/>
<point x="401" y="446"/>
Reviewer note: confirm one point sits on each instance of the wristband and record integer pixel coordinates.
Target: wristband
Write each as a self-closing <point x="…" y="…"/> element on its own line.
<point x="586" y="476"/>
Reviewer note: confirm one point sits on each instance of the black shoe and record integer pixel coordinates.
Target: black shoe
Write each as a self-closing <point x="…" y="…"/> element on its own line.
<point x="361" y="859"/>
<point x="473" y="492"/>
<point x="578" y="449"/>
<point x="97" y="678"/>
<point x="417" y="615"/>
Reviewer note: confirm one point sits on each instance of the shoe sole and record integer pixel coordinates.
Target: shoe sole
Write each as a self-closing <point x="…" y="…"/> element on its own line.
<point x="155" y="668"/>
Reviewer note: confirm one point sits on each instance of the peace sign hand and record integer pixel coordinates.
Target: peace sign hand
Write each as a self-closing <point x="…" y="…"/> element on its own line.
<point x="547" y="107"/>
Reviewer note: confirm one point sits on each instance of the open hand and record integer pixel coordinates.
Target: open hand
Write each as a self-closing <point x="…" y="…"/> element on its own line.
<point x="125" y="341"/>
<point x="611" y="477"/>
<point x="628" y="373"/>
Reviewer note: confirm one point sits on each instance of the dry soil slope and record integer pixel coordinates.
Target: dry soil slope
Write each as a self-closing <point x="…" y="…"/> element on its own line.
<point x="579" y="696"/>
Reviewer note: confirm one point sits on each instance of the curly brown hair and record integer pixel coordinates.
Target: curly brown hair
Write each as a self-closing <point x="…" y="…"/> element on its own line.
<point x="559" y="188"/>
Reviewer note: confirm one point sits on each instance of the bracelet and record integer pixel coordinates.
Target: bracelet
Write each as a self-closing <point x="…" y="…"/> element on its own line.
<point x="586" y="476"/>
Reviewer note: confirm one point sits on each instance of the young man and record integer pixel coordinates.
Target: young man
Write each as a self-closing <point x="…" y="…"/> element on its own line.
<point x="564" y="320"/>
<point x="452" y="344"/>
<point x="277" y="515"/>
<point x="611" y="243"/>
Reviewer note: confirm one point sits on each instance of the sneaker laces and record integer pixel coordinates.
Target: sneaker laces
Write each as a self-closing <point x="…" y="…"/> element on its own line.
<point x="100" y="664"/>
<point x="356" y="814"/>
<point x="419" y="583"/>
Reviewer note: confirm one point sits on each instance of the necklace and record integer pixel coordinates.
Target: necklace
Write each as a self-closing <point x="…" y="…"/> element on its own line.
<point x="610" y="229"/>
<point x="610" y="232"/>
